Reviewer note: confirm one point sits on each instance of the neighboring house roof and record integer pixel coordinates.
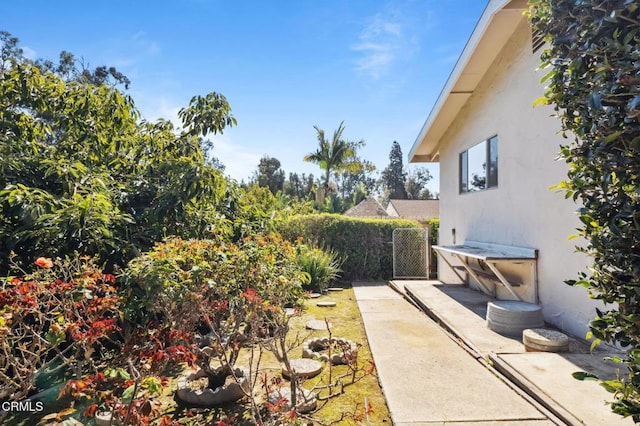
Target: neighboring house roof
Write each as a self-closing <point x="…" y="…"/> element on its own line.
<point x="498" y="21"/>
<point x="414" y="209"/>
<point x="369" y="207"/>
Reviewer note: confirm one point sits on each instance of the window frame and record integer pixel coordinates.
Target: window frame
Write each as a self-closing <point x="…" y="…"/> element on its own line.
<point x="491" y="169"/>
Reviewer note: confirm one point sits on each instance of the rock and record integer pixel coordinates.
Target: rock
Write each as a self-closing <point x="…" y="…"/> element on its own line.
<point x="335" y="289"/>
<point x="318" y="325"/>
<point x="327" y="304"/>
<point x="306" y="401"/>
<point x="303" y="367"/>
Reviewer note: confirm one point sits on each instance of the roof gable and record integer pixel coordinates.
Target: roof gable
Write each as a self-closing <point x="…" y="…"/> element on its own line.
<point x="414" y="209"/>
<point x="369" y="207"/>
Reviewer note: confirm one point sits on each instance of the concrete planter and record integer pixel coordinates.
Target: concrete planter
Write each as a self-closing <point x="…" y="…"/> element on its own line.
<point x="105" y="418"/>
<point x="208" y="397"/>
<point x="344" y="350"/>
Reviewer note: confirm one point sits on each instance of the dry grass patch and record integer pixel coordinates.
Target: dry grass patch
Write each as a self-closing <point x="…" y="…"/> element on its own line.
<point x="346" y="323"/>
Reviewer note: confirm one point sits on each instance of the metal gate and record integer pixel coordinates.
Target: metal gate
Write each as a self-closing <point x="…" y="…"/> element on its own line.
<point x="411" y="253"/>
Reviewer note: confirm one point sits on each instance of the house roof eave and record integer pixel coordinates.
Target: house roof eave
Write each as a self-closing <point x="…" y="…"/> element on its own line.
<point x="497" y="23"/>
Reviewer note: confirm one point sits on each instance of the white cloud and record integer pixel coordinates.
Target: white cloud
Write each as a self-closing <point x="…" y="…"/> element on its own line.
<point x="132" y="51"/>
<point x="381" y="43"/>
<point x="154" y="107"/>
<point x="29" y="53"/>
<point x="239" y="161"/>
<point x="149" y="47"/>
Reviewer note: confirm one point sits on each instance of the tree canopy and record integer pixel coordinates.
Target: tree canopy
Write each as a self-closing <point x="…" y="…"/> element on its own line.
<point x="394" y="176"/>
<point x="82" y="172"/>
<point x="398" y="183"/>
<point x="269" y="174"/>
<point x="335" y="155"/>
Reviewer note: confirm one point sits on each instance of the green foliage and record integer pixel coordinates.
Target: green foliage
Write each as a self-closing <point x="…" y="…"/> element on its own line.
<point x="393" y="176"/>
<point x="79" y="172"/>
<point x="56" y="315"/>
<point x="300" y="187"/>
<point x="364" y="244"/>
<point x="258" y="210"/>
<point x="594" y="86"/>
<point x="335" y="155"/>
<point x="213" y="286"/>
<point x="269" y="174"/>
<point x="434" y="228"/>
<point x="416" y="184"/>
<point x="321" y="266"/>
<point x="206" y="114"/>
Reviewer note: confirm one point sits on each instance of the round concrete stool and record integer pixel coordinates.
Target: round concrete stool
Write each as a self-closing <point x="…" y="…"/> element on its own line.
<point x="303" y="367"/>
<point x="544" y="340"/>
<point x="511" y="317"/>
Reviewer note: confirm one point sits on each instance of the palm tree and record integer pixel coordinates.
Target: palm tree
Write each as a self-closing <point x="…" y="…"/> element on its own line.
<point x="335" y="155"/>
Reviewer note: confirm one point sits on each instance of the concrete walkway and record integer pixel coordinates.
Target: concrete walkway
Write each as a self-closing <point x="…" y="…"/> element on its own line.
<point x="427" y="377"/>
<point x="436" y="373"/>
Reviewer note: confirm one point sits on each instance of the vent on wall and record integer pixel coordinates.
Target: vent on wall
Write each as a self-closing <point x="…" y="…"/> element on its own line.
<point x="537" y="40"/>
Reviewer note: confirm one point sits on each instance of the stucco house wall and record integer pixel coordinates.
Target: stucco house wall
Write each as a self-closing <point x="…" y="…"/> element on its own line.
<point x="522" y="211"/>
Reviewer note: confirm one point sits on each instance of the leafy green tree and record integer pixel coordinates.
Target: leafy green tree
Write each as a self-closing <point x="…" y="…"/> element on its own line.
<point x="309" y="185"/>
<point x="350" y="180"/>
<point x="335" y="155"/>
<point x="416" y="184"/>
<point x="293" y="186"/>
<point x="394" y="176"/>
<point x="356" y="185"/>
<point x="269" y="174"/>
<point x="80" y="172"/>
<point x="68" y="68"/>
<point x="300" y="187"/>
<point x="593" y="55"/>
<point x="258" y="209"/>
<point x="71" y="69"/>
<point x="8" y="49"/>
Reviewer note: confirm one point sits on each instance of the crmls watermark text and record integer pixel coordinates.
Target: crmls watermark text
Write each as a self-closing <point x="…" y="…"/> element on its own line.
<point x="23" y="406"/>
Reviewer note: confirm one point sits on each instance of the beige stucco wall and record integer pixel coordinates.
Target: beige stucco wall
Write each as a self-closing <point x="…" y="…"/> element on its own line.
<point x="522" y="210"/>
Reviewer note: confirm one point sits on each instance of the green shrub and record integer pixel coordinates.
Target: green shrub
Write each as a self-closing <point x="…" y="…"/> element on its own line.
<point x="172" y="280"/>
<point x="322" y="266"/>
<point x="364" y="244"/>
<point x="434" y="228"/>
<point x="593" y="83"/>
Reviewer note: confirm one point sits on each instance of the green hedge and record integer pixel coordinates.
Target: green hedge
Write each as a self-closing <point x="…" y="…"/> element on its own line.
<point x="365" y="244"/>
<point x="434" y="227"/>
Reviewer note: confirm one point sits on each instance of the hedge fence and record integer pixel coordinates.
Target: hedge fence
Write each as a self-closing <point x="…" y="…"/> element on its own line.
<point x="364" y="244"/>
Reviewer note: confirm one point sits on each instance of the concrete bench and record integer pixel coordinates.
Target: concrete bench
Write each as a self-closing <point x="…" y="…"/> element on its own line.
<point x="482" y="261"/>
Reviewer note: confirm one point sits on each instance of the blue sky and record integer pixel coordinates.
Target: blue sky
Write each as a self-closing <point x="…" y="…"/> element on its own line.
<point x="283" y="65"/>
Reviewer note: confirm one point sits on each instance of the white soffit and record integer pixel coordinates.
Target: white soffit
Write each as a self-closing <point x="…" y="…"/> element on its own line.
<point x="497" y="23"/>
